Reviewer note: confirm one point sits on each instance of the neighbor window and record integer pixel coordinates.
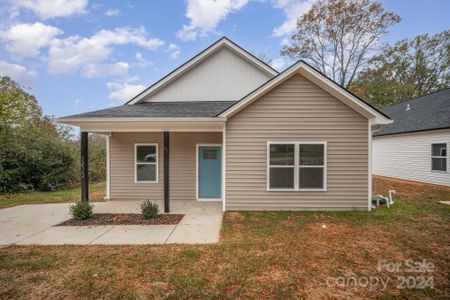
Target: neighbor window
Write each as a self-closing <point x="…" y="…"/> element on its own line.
<point x="146" y="160"/>
<point x="439" y="157"/>
<point x="296" y="166"/>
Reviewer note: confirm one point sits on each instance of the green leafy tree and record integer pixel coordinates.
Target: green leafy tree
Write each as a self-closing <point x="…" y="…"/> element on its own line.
<point x="338" y="36"/>
<point x="36" y="153"/>
<point x="16" y="105"/>
<point x="408" y="69"/>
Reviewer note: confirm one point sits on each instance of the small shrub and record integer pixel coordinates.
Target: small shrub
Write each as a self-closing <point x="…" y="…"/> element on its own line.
<point x="81" y="210"/>
<point x="149" y="209"/>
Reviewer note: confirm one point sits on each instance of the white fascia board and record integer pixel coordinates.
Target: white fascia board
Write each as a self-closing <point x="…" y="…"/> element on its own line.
<point x="146" y="125"/>
<point x="320" y="80"/>
<point x="148" y="120"/>
<point x="198" y="59"/>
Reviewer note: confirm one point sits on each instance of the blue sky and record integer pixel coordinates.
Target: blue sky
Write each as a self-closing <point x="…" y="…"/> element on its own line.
<point x="82" y="55"/>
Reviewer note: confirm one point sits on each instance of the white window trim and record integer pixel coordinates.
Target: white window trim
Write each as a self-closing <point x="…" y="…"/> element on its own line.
<point x="297" y="167"/>
<point x="155" y="163"/>
<point x="446" y="158"/>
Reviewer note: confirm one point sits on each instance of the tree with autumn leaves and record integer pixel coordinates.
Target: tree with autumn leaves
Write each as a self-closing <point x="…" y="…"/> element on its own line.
<point x="342" y="39"/>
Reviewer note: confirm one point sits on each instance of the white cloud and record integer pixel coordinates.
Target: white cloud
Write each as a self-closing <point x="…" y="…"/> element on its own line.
<point x="53" y="8"/>
<point x="285" y="42"/>
<point x="27" y="39"/>
<point x="70" y="54"/>
<point x="205" y="15"/>
<point x="278" y="63"/>
<point x="293" y="9"/>
<point x="123" y="91"/>
<point x="77" y="102"/>
<point x="174" y="51"/>
<point x="141" y="61"/>
<point x="17" y="72"/>
<point x="105" y="70"/>
<point x="112" y="12"/>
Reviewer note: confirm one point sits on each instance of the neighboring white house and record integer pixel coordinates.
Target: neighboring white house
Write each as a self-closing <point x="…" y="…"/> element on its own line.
<point x="416" y="146"/>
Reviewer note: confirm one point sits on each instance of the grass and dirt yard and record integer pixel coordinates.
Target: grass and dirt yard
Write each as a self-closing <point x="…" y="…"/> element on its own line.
<point x="261" y="255"/>
<point x="96" y="193"/>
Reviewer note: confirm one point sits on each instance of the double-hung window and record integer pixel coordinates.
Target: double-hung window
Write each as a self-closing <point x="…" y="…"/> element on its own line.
<point x="296" y="166"/>
<point x="439" y="157"/>
<point x="146" y="162"/>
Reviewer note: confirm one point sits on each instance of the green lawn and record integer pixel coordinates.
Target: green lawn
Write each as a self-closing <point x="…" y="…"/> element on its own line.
<point x="96" y="193"/>
<point x="261" y="255"/>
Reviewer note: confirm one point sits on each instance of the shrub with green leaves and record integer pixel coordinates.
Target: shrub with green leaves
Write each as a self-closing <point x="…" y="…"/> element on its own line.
<point x="149" y="209"/>
<point x="81" y="210"/>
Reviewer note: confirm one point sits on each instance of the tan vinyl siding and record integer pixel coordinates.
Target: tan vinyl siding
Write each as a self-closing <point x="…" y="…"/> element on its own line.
<point x="183" y="160"/>
<point x="182" y="164"/>
<point x="123" y="166"/>
<point x="297" y="110"/>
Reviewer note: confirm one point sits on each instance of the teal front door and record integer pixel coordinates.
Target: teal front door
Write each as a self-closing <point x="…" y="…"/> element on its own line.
<point x="209" y="172"/>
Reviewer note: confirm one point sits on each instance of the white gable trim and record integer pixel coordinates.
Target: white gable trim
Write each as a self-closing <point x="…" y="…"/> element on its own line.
<point x="318" y="79"/>
<point x="223" y="42"/>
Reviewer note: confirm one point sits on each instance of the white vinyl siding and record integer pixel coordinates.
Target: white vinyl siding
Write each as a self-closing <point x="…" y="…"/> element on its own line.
<point x="224" y="76"/>
<point x="409" y="156"/>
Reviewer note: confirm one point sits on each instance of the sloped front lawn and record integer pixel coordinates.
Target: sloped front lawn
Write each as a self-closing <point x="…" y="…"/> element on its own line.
<point x="261" y="255"/>
<point x="96" y="193"/>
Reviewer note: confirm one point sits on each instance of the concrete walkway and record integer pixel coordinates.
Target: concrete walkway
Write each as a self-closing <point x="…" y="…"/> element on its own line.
<point x="34" y="225"/>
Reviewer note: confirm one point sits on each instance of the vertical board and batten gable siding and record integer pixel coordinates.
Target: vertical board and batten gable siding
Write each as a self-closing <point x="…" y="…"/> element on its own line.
<point x="408" y="156"/>
<point x="182" y="164"/>
<point x="223" y="76"/>
<point x="183" y="161"/>
<point x="297" y="110"/>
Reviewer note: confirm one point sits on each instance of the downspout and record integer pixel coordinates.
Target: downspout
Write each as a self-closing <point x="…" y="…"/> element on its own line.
<point x="224" y="166"/>
<point x="372" y="130"/>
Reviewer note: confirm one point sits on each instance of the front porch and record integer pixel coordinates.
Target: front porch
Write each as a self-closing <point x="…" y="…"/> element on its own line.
<point x="180" y="171"/>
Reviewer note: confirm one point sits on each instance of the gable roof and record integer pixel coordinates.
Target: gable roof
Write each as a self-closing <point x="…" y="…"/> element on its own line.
<point x="220" y="44"/>
<point x="428" y="112"/>
<point x="191" y="109"/>
<point x="303" y="68"/>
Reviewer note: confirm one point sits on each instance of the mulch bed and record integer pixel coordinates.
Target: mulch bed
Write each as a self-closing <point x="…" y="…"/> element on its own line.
<point x="124" y="219"/>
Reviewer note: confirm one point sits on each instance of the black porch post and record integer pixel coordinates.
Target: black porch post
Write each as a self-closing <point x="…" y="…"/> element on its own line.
<point x="166" y="172"/>
<point x="84" y="167"/>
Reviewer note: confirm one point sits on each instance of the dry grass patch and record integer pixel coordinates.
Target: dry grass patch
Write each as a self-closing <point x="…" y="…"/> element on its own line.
<point x="275" y="255"/>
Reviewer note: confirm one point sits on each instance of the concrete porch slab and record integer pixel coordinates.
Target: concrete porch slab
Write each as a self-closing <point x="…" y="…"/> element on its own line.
<point x="67" y="235"/>
<point x="33" y="225"/>
<point x="136" y="235"/>
<point x="20" y="222"/>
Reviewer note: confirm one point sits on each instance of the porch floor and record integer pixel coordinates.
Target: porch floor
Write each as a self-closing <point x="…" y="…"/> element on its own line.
<point x="176" y="207"/>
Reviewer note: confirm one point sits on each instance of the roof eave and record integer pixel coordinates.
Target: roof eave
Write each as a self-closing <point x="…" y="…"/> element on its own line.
<point x="79" y="121"/>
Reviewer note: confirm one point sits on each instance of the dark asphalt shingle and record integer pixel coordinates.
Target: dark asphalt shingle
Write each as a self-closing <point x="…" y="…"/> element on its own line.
<point x="428" y="112"/>
<point x="193" y="109"/>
